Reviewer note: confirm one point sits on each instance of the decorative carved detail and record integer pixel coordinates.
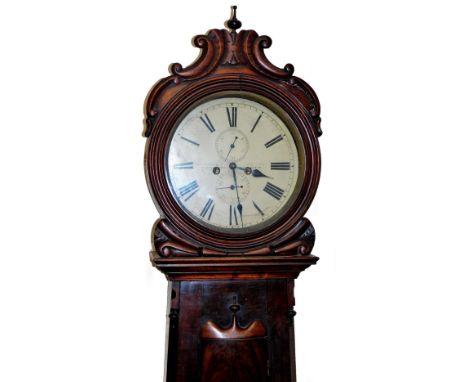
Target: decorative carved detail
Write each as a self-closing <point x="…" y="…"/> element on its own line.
<point x="150" y="121"/>
<point x="301" y="243"/>
<point x="212" y="46"/>
<point x="170" y="242"/>
<point x="314" y="103"/>
<point x="173" y="318"/>
<point x="234" y="331"/>
<point x="234" y="353"/>
<point x="233" y="54"/>
<point x="222" y="47"/>
<point x="291" y="314"/>
<point x="253" y="50"/>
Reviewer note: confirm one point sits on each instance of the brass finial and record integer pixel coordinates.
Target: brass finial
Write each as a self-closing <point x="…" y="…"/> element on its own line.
<point x="233" y="23"/>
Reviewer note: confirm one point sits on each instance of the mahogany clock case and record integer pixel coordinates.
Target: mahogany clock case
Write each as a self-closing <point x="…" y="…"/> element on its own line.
<point x="231" y="63"/>
<point x="231" y="295"/>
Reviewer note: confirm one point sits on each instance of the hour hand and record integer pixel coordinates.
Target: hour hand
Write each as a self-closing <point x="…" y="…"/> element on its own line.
<point x="254" y="172"/>
<point x="258" y="174"/>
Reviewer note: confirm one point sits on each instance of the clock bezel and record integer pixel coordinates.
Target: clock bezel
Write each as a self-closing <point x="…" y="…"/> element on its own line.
<point x="293" y="130"/>
<point x="187" y="98"/>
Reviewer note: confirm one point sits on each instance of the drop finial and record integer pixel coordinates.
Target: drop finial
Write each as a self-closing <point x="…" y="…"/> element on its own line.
<point x="233" y="23"/>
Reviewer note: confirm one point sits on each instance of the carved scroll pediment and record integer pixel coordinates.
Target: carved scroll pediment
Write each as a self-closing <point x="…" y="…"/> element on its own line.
<point x="220" y="47"/>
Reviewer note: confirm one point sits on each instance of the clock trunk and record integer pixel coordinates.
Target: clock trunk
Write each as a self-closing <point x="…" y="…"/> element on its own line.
<point x="233" y="351"/>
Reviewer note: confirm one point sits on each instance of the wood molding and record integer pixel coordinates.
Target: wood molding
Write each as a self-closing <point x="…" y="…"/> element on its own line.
<point x="232" y="267"/>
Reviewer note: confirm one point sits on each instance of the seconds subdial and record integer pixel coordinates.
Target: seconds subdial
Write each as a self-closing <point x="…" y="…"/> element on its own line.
<point x="226" y="190"/>
<point x="232" y="145"/>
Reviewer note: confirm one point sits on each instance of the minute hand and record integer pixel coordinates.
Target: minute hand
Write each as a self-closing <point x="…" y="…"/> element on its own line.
<point x="239" y="205"/>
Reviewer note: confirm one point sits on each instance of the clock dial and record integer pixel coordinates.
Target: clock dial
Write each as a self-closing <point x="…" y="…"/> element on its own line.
<point x="233" y="164"/>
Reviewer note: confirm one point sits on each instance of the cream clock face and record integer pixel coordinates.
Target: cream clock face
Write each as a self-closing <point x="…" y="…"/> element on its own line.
<point x="233" y="164"/>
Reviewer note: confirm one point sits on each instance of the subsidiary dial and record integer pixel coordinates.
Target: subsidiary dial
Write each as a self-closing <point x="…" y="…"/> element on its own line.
<point x="232" y="145"/>
<point x="226" y="188"/>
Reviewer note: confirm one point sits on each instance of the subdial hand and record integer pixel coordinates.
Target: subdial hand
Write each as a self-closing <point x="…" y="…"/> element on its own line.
<point x="232" y="187"/>
<point x="232" y="145"/>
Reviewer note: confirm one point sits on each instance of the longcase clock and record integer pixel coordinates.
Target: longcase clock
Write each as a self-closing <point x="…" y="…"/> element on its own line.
<point x="232" y="163"/>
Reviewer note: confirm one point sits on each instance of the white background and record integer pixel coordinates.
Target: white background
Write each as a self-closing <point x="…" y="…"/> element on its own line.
<point x="79" y="300"/>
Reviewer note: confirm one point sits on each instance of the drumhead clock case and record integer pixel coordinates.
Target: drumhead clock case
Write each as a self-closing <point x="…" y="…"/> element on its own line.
<point x="232" y="163"/>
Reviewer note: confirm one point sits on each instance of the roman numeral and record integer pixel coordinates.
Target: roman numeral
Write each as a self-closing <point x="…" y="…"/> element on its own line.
<point x="208" y="123"/>
<point x="233" y="215"/>
<point x="276" y="139"/>
<point x="258" y="208"/>
<point x="208" y="209"/>
<point x="190" y="141"/>
<point x="256" y="123"/>
<point x="273" y="191"/>
<point x="280" y="165"/>
<point x="183" y="166"/>
<point x="232" y="116"/>
<point x="189" y="189"/>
